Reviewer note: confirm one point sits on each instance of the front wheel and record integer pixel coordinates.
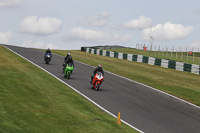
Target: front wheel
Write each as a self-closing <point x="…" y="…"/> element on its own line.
<point x="97" y="86"/>
<point x="47" y="61"/>
<point x="68" y="74"/>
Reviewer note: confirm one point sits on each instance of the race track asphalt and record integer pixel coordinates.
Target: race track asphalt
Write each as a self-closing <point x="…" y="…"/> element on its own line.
<point x="146" y="109"/>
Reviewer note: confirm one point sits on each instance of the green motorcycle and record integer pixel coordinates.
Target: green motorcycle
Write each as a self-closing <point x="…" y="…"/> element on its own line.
<point x="68" y="70"/>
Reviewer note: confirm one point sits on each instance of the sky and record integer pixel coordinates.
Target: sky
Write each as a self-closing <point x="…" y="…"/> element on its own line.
<point x="72" y="24"/>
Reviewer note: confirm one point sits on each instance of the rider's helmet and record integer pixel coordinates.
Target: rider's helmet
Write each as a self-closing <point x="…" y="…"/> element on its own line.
<point x="48" y="49"/>
<point x="100" y="66"/>
<point x="68" y="54"/>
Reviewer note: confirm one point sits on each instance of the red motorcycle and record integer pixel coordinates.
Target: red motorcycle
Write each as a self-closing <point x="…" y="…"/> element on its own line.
<point x="97" y="80"/>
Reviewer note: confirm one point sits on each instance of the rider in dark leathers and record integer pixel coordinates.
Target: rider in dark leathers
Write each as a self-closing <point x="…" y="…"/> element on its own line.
<point x="98" y="69"/>
<point x="68" y="59"/>
<point x="68" y="54"/>
<point x="48" y="51"/>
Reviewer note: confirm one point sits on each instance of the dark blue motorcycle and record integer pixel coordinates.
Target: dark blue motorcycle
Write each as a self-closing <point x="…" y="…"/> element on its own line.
<point x="48" y="58"/>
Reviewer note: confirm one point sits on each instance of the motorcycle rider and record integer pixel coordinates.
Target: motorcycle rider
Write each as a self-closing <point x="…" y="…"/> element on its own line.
<point x="98" y="69"/>
<point x="68" y="54"/>
<point x="48" y="51"/>
<point x="68" y="59"/>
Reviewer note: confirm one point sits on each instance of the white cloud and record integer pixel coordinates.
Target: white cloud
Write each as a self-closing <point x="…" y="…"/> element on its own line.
<point x="195" y="44"/>
<point x="40" y="26"/>
<point x="80" y="34"/>
<point x="121" y="39"/>
<point x="141" y="23"/>
<point x="5" y="37"/>
<point x="167" y="31"/>
<point x="87" y="35"/>
<point x="39" y="44"/>
<point x="9" y="3"/>
<point x="97" y="21"/>
<point x="116" y="27"/>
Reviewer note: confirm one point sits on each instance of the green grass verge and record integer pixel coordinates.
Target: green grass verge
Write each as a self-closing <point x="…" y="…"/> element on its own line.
<point x="163" y="55"/>
<point x="181" y="84"/>
<point x="33" y="101"/>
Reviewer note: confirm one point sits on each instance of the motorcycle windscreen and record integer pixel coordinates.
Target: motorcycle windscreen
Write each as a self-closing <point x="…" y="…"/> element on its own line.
<point x="99" y="74"/>
<point x="70" y="64"/>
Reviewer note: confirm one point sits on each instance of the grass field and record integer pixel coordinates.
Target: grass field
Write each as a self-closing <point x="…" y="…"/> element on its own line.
<point x="179" y="56"/>
<point x="181" y="84"/>
<point x="33" y="101"/>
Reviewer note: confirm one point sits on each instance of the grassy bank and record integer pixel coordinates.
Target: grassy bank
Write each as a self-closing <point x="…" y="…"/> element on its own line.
<point x="181" y="84"/>
<point x="33" y="101"/>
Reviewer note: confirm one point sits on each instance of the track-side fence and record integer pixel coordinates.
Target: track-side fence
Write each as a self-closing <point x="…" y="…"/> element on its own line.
<point x="180" y="66"/>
